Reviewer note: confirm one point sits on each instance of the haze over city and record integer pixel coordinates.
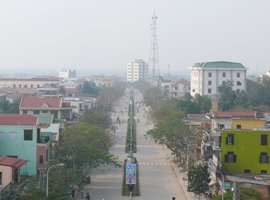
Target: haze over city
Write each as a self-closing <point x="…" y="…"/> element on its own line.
<point x="103" y="36"/>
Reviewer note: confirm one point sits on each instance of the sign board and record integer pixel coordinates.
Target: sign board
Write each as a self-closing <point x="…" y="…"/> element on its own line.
<point x="227" y="185"/>
<point x="131" y="173"/>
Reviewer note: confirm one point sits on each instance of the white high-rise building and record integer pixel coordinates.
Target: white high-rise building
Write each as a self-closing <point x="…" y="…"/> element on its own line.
<point x="67" y="74"/>
<point x="137" y="70"/>
<point x="207" y="76"/>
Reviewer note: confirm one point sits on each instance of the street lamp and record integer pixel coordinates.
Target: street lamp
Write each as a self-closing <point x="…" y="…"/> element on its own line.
<point x="47" y="185"/>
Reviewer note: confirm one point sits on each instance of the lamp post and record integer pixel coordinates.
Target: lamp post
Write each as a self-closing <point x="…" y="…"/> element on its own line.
<point x="47" y="185"/>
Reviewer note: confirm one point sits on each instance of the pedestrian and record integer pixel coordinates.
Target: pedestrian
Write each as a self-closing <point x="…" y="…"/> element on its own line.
<point x="87" y="196"/>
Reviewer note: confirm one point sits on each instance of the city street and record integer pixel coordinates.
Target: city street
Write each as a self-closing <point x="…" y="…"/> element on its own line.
<point x="158" y="180"/>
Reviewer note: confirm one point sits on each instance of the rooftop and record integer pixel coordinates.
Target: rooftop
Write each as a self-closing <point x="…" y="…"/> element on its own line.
<point x="12" y="162"/>
<point x="234" y="114"/>
<point x="16" y="119"/>
<point x="220" y="64"/>
<point x="38" y="102"/>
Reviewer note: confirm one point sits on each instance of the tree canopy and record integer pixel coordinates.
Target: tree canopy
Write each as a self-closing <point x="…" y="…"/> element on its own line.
<point x="90" y="88"/>
<point x="198" y="178"/>
<point x="85" y="145"/>
<point x="198" y="104"/>
<point x="9" y="108"/>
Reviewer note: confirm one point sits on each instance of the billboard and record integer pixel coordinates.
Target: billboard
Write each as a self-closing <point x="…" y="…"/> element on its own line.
<point x="131" y="173"/>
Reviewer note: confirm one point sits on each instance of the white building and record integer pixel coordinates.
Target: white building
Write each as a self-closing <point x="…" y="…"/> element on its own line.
<point x="137" y="70"/>
<point x="207" y="76"/>
<point x="67" y="74"/>
<point x="37" y="82"/>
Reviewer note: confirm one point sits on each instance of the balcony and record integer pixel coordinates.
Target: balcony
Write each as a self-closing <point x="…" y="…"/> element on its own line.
<point x="43" y="140"/>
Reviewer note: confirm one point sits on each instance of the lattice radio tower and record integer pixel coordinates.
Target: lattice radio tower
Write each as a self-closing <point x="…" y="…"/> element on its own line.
<point x="154" y="61"/>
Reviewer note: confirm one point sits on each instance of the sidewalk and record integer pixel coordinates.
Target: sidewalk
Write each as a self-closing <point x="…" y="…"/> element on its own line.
<point x="182" y="178"/>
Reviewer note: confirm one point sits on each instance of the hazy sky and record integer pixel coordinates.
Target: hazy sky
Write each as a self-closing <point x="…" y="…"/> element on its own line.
<point x="102" y="36"/>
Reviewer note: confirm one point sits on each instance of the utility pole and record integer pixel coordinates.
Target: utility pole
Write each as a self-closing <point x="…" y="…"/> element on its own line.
<point x="154" y="61"/>
<point x="236" y="191"/>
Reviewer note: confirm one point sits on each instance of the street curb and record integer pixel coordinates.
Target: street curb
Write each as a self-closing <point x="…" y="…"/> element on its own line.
<point x="180" y="181"/>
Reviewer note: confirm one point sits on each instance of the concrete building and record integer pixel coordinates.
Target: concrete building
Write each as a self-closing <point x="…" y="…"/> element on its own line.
<point x="101" y="80"/>
<point x="21" y="138"/>
<point x="137" y="70"/>
<point x="207" y="76"/>
<point x="28" y="82"/>
<point x="236" y="145"/>
<point x="179" y="89"/>
<point x="34" y="105"/>
<point x="10" y="170"/>
<point x="64" y="74"/>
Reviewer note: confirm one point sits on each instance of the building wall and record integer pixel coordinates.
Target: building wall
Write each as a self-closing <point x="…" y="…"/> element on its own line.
<point x="42" y="152"/>
<point x="12" y="143"/>
<point x="248" y="123"/>
<point x="25" y="83"/>
<point x="137" y="70"/>
<point x="247" y="148"/>
<point x="205" y="84"/>
<point x="6" y="175"/>
<point x="226" y="121"/>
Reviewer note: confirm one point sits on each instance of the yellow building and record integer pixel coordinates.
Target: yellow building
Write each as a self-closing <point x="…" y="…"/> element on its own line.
<point x="238" y="123"/>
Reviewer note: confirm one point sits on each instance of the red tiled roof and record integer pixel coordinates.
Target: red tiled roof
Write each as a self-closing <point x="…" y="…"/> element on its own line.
<point x="186" y="83"/>
<point x="234" y="114"/>
<point x="16" y="119"/>
<point x="12" y="162"/>
<point x="38" y="102"/>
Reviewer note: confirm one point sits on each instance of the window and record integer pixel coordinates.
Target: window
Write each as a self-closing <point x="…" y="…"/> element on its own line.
<point x="247" y="171"/>
<point x="40" y="159"/>
<point x="24" y="111"/>
<point x="238" y="126"/>
<point x="263" y="139"/>
<point x="264" y="158"/>
<point x="238" y="83"/>
<point x="230" y="139"/>
<point x="1" y="135"/>
<point x="28" y="134"/>
<point x="230" y="157"/>
<point x="0" y="178"/>
<point x="209" y="82"/>
<point x="238" y="75"/>
<point x="263" y="171"/>
<point x="36" y="112"/>
<point x="193" y="90"/>
<point x="209" y="74"/>
<point x="221" y="126"/>
<point x="223" y="74"/>
<point x="209" y="91"/>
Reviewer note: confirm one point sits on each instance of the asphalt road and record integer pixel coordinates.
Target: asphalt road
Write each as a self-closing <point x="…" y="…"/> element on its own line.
<point x="156" y="176"/>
